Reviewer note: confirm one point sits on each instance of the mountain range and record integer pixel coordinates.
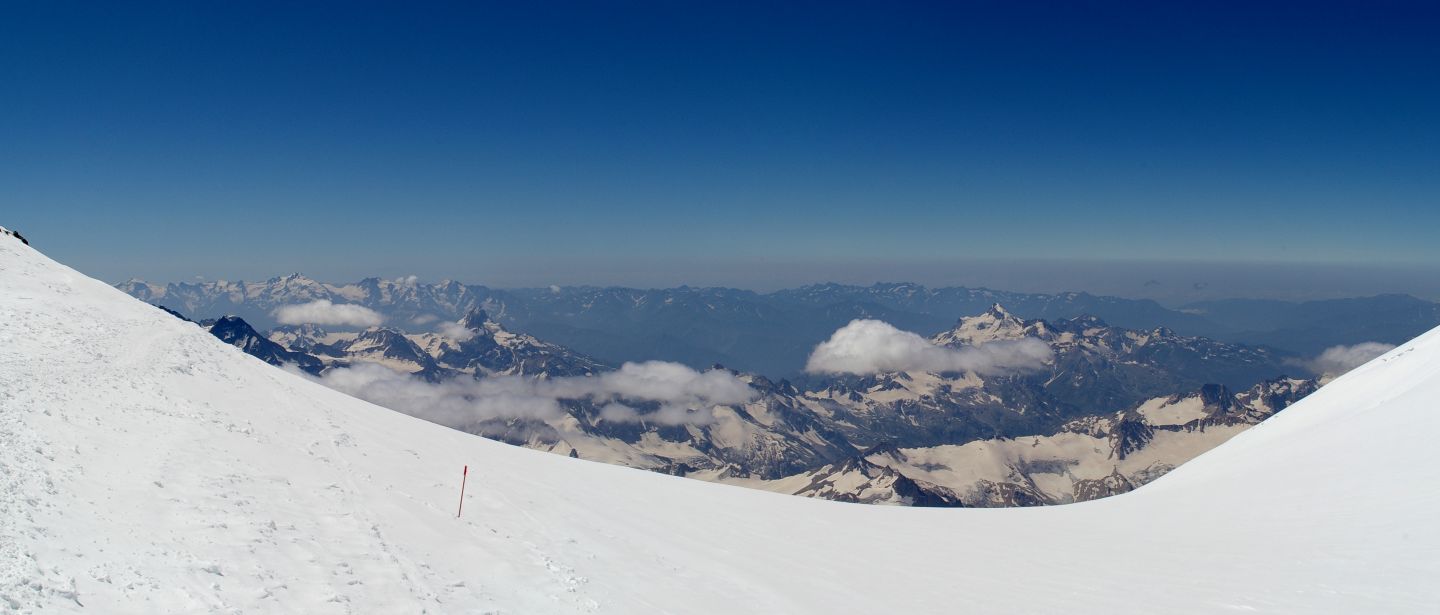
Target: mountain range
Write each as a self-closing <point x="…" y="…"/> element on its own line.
<point x="772" y="333"/>
<point x="895" y="437"/>
<point x="1111" y="409"/>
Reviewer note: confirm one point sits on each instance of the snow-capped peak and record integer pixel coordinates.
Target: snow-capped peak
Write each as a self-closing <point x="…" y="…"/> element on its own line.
<point x="996" y="324"/>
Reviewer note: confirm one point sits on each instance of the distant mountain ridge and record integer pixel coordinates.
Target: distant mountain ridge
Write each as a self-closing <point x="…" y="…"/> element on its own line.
<point x="772" y="333"/>
<point x="916" y="298"/>
<point x="1311" y="326"/>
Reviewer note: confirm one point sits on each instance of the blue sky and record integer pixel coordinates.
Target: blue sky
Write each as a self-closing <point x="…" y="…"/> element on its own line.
<point x="659" y="143"/>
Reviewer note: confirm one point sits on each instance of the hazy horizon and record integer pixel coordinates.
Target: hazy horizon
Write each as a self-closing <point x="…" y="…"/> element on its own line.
<point x="1172" y="284"/>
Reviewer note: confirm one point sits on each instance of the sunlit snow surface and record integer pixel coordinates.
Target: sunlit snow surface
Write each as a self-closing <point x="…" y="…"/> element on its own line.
<point x="146" y="467"/>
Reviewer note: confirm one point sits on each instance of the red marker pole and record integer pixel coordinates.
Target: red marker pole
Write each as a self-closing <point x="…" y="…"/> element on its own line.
<point x="464" y="474"/>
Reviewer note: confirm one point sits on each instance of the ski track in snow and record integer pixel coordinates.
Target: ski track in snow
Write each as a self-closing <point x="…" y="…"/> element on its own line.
<point x="146" y="467"/>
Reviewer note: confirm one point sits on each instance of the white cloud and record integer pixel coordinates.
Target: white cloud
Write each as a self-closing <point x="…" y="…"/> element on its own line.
<point x="1336" y="360"/>
<point x="686" y="396"/>
<point x="683" y="395"/>
<point x="323" y="312"/>
<point x="453" y="402"/>
<point x="424" y="319"/>
<point x="455" y="331"/>
<point x="872" y="346"/>
<point x="619" y="413"/>
<point x="679" y="414"/>
<point x="657" y="381"/>
<point x="407" y="280"/>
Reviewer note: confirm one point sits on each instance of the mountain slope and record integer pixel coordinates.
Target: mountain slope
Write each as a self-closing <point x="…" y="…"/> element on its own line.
<point x="1094" y="456"/>
<point x="148" y="467"/>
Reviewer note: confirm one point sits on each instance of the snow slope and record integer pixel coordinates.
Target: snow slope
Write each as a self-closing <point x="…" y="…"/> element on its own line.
<point x="146" y="467"/>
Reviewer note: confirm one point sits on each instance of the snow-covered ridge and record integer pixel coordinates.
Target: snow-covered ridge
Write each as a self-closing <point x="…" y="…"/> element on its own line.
<point x="146" y="466"/>
<point x="5" y="232"/>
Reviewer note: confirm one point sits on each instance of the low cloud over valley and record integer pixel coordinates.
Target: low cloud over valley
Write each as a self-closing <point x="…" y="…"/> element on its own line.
<point x="656" y="391"/>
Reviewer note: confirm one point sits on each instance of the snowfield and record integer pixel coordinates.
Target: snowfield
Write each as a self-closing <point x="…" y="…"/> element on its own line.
<point x="147" y="467"/>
